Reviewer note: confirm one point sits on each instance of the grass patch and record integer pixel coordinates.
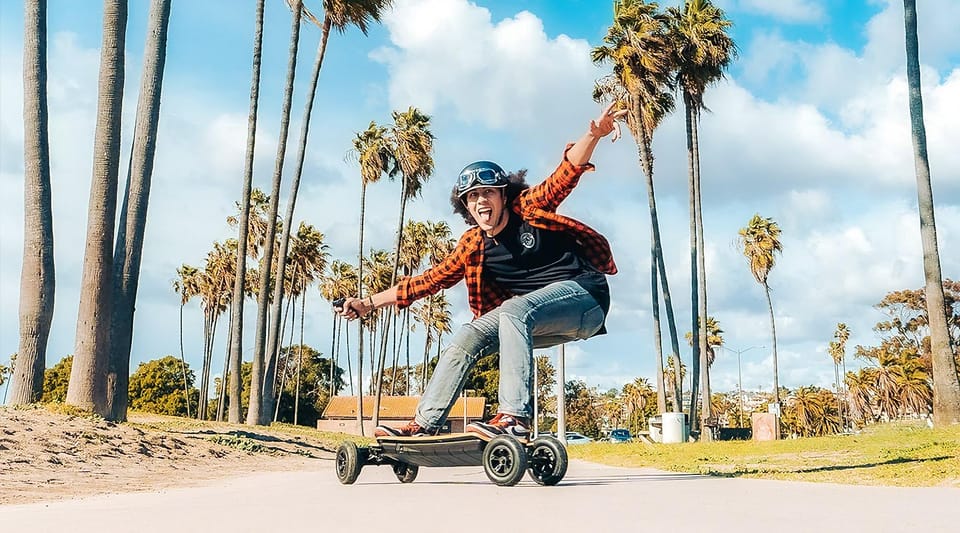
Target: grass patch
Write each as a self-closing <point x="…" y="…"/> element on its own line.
<point x="239" y="443"/>
<point x="900" y="454"/>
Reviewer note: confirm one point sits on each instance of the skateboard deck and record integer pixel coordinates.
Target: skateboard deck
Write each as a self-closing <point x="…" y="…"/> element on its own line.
<point x="456" y="449"/>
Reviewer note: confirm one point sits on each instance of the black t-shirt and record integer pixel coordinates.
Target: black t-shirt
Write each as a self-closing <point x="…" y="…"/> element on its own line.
<point x="522" y="259"/>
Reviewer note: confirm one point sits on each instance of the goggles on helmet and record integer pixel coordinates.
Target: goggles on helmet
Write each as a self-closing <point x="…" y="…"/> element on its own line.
<point x="480" y="177"/>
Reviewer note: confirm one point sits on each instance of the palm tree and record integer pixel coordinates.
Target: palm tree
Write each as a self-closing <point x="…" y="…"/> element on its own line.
<point x="37" y="278"/>
<point x="412" y="142"/>
<point x="946" y="383"/>
<point x="308" y="259"/>
<point x="837" y="351"/>
<point x="215" y="291"/>
<point x="256" y="414"/>
<point x="859" y="387"/>
<point x="243" y="224"/>
<point x="413" y="249"/>
<point x="760" y="242"/>
<point x="673" y="379"/>
<point x="341" y="282"/>
<point x="374" y="153"/>
<point x="187" y="287"/>
<point x="703" y="50"/>
<point x="133" y="213"/>
<point x="714" y="339"/>
<point x="88" y="375"/>
<point x="637" y="47"/>
<point x="337" y="14"/>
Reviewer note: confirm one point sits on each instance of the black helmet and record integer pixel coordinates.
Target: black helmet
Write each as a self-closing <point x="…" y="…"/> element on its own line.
<point x="480" y="174"/>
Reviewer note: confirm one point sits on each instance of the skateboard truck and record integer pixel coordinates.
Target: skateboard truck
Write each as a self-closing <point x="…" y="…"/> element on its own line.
<point x="504" y="458"/>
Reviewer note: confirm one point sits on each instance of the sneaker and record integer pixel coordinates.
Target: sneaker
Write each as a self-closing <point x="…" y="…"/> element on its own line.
<point x="412" y="429"/>
<point x="501" y="424"/>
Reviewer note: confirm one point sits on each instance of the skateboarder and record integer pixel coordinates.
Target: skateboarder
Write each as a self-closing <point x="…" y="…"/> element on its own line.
<point x="534" y="279"/>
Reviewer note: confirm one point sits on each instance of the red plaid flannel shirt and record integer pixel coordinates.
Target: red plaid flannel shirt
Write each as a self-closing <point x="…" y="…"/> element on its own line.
<point x="536" y="205"/>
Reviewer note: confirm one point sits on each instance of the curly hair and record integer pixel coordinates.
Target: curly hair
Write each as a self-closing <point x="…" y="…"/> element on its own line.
<point x="517" y="183"/>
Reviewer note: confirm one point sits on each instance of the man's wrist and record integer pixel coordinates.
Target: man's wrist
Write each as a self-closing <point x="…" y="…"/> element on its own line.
<point x="370" y="303"/>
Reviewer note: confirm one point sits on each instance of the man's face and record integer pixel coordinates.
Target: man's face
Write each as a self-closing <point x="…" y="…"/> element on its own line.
<point x="486" y="205"/>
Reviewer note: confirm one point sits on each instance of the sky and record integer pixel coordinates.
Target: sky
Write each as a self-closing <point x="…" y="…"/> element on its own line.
<point x="810" y="127"/>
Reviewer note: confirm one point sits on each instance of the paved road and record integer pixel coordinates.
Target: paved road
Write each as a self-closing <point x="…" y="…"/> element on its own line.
<point x="591" y="498"/>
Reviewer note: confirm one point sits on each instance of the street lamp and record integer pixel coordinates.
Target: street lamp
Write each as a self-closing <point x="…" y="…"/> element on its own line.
<point x="740" y="376"/>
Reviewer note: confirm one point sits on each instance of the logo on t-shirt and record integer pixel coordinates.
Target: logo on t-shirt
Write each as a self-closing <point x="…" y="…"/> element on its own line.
<point x="527" y="240"/>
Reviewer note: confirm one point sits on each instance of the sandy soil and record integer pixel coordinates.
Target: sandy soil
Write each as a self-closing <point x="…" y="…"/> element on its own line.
<point x="50" y="456"/>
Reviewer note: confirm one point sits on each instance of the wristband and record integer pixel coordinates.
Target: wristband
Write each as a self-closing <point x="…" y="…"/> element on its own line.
<point x="370" y="299"/>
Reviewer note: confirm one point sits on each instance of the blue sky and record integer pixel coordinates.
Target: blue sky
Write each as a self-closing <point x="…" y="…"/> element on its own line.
<point x="809" y="128"/>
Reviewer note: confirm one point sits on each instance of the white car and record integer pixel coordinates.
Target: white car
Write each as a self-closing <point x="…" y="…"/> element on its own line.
<point x="576" y="438"/>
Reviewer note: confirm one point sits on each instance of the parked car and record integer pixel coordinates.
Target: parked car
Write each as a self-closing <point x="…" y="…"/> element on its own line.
<point x="620" y="435"/>
<point x="572" y="437"/>
<point x="576" y="438"/>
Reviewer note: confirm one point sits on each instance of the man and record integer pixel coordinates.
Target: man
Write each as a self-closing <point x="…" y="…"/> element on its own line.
<point x="534" y="279"/>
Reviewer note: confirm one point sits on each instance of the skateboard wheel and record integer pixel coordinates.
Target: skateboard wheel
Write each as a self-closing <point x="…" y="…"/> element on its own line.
<point x="504" y="460"/>
<point x="548" y="461"/>
<point x="406" y="472"/>
<point x="348" y="463"/>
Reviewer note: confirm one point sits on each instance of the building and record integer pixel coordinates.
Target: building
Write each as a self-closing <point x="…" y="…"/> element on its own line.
<point x="340" y="414"/>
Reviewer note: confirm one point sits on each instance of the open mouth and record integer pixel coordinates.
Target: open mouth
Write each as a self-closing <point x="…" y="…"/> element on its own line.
<point x="485" y="215"/>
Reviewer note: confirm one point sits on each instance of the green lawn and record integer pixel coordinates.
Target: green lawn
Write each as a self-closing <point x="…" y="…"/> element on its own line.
<point x="901" y="454"/>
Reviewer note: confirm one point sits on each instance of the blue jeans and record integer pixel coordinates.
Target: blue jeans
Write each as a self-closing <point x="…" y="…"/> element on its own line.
<point x="558" y="313"/>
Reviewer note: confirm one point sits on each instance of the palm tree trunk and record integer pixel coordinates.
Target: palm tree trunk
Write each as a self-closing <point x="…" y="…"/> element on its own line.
<point x="88" y="376"/>
<point x="946" y="384"/>
<point x="296" y="395"/>
<point x="334" y="352"/>
<point x="773" y="333"/>
<point x="272" y="362"/>
<point x="183" y="364"/>
<point x="346" y="331"/>
<point x="259" y="413"/>
<point x="363" y="198"/>
<point x="201" y="405"/>
<point x="646" y="159"/>
<point x="406" y="333"/>
<point x="133" y="216"/>
<point x="221" y="392"/>
<point x="393" y="280"/>
<point x="295" y="184"/>
<point x="657" y="337"/>
<point x="702" y="277"/>
<point x="694" y="272"/>
<point x="37" y="279"/>
<point x="236" y="319"/>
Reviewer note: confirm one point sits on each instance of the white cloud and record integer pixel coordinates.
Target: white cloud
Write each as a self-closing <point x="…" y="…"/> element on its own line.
<point x="794" y="11"/>
<point x="496" y="74"/>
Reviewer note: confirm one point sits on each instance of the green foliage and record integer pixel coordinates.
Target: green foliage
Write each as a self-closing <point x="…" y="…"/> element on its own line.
<point x="246" y="369"/>
<point x="583" y="411"/>
<point x="55" y="381"/>
<point x="157" y="387"/>
<point x="241" y="443"/>
<point x="314" y="384"/>
<point x="485" y="379"/>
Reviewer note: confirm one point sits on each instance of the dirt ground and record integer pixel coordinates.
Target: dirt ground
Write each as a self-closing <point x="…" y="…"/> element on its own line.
<point x="51" y="456"/>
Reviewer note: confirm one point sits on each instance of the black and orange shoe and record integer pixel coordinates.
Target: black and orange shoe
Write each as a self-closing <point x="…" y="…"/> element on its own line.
<point x="502" y="424"/>
<point x="412" y="429"/>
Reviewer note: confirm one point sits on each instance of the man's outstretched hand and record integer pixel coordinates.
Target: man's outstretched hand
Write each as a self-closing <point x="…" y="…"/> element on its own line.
<point x="607" y="123"/>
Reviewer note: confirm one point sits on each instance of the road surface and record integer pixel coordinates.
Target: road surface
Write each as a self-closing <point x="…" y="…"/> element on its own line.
<point x="592" y="498"/>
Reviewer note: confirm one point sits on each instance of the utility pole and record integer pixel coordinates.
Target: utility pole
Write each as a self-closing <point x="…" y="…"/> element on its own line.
<point x="561" y="400"/>
<point x="740" y="376"/>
